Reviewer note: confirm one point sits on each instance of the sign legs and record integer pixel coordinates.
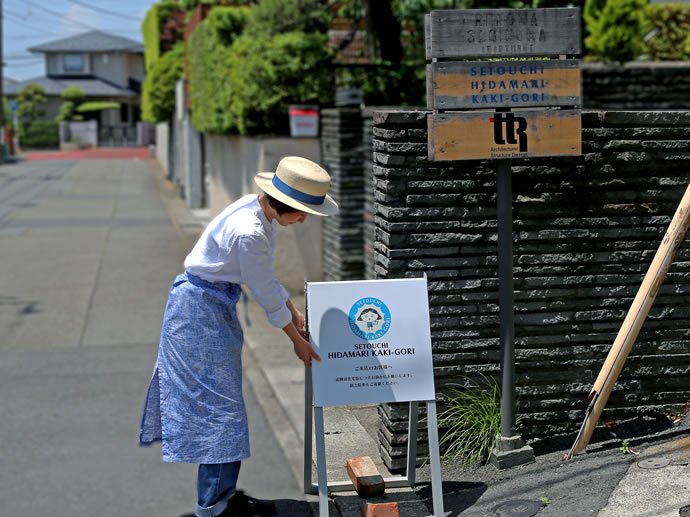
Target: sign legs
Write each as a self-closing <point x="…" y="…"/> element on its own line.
<point x="321" y="461"/>
<point x="323" y="486"/>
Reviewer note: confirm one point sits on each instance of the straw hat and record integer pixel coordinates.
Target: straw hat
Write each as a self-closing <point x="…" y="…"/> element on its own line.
<point x="301" y="184"/>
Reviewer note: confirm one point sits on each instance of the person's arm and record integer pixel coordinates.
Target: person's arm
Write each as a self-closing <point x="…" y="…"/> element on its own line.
<point x="297" y="318"/>
<point x="302" y="347"/>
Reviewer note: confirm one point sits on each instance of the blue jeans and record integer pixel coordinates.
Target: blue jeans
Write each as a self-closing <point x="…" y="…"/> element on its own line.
<point x="215" y="484"/>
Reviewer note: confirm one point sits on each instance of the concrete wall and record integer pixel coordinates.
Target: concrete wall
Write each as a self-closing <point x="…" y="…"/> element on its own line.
<point x="585" y="231"/>
<point x="83" y="132"/>
<point x="231" y="164"/>
<point x="163" y="144"/>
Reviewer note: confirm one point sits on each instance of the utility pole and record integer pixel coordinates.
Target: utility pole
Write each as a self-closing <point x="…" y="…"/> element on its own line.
<point x="2" y="78"/>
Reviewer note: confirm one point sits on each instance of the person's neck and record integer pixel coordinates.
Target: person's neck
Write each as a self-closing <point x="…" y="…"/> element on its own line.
<point x="266" y="207"/>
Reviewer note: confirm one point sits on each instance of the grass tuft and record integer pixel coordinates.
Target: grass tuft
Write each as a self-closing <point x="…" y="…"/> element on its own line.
<point x="472" y="419"/>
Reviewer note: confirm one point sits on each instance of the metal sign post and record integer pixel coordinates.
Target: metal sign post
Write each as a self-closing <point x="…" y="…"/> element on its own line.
<point x="401" y="375"/>
<point x="504" y="109"/>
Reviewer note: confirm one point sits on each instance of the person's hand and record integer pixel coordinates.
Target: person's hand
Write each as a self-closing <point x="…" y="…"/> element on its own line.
<point x="298" y="321"/>
<point x="304" y="351"/>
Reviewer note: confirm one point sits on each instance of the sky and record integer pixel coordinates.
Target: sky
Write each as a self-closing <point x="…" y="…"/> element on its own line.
<point x="26" y="23"/>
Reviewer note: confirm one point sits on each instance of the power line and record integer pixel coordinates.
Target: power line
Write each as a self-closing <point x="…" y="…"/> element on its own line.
<point x="22" y="19"/>
<point x="105" y="11"/>
<point x="19" y="57"/>
<point x="62" y="16"/>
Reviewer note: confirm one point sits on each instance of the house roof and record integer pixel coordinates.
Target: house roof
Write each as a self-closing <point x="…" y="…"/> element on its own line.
<point x="92" y="41"/>
<point x="54" y="86"/>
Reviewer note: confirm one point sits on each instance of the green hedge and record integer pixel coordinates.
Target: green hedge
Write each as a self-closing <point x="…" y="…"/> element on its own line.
<point x="209" y="54"/>
<point x="245" y="82"/>
<point x="151" y="26"/>
<point x="158" y="90"/>
<point x="39" y="134"/>
<point x="267" y="74"/>
<point x="671" y="41"/>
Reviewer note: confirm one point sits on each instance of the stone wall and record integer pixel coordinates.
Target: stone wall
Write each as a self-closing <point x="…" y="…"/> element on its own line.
<point x="342" y="156"/>
<point x="585" y="231"/>
<point x="635" y="86"/>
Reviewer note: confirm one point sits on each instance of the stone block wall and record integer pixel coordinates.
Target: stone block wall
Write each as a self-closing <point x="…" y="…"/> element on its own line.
<point x="636" y="86"/>
<point x="343" y="157"/>
<point x="585" y="231"/>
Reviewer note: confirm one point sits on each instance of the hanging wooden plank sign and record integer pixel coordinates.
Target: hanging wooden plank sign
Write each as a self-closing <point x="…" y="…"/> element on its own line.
<point x="474" y="135"/>
<point x="483" y="33"/>
<point x="503" y="84"/>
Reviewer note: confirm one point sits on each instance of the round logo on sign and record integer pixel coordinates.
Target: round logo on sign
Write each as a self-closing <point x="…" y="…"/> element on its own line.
<point x="369" y="318"/>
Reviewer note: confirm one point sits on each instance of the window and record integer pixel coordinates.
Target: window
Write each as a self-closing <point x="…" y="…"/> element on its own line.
<point x="73" y="63"/>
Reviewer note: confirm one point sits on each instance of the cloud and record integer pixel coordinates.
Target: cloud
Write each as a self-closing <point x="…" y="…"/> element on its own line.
<point x="79" y="19"/>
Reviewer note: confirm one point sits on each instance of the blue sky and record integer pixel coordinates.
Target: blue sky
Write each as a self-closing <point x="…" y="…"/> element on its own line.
<point x="27" y="23"/>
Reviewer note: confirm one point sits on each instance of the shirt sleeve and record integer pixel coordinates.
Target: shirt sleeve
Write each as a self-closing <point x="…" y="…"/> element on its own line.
<point x="256" y="270"/>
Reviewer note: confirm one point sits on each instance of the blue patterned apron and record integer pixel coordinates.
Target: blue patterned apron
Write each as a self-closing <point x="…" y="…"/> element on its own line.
<point x="194" y="403"/>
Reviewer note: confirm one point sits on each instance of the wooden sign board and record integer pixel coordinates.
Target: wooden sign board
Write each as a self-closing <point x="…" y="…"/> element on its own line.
<point x="485" y="33"/>
<point x="476" y="135"/>
<point x="503" y="84"/>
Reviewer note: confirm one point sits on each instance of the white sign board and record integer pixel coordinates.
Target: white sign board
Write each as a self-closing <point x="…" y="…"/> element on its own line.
<point x="374" y="341"/>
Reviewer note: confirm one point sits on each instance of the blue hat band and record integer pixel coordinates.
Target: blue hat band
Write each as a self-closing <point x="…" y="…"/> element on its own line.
<point x="298" y="195"/>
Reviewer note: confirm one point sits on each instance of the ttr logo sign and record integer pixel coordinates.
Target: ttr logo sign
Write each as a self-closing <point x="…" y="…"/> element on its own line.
<point x="513" y="135"/>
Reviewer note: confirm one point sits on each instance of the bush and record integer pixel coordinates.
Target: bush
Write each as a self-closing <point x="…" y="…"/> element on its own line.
<point x="28" y="101"/>
<point x="209" y="51"/>
<point x="269" y="73"/>
<point x="615" y="29"/>
<point x="39" y="134"/>
<point x="158" y="90"/>
<point x="671" y="42"/>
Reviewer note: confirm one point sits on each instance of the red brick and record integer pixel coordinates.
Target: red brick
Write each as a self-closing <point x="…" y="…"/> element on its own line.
<point x="380" y="510"/>
<point x="365" y="476"/>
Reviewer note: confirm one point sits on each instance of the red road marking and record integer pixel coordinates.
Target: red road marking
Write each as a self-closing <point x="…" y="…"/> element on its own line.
<point x="102" y="153"/>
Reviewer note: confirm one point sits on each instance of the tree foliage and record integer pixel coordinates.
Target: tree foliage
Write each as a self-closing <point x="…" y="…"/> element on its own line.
<point x="247" y="65"/>
<point x="209" y="55"/>
<point x="669" y="25"/>
<point x="616" y="29"/>
<point x="29" y="100"/>
<point x="73" y="96"/>
<point x="158" y="90"/>
<point x="98" y="106"/>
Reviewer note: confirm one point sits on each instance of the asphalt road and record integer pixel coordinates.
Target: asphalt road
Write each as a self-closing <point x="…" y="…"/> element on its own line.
<point x="87" y="254"/>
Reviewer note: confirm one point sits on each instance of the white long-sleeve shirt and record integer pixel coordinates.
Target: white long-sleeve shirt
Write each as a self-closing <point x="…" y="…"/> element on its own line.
<point x="238" y="246"/>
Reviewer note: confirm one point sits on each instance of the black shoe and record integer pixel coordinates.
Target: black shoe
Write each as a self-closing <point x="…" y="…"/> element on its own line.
<point x="241" y="505"/>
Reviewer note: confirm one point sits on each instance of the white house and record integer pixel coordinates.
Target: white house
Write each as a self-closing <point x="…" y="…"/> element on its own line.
<point x="107" y="67"/>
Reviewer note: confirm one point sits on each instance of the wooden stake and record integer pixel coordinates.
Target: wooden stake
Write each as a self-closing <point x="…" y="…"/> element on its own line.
<point x="633" y="322"/>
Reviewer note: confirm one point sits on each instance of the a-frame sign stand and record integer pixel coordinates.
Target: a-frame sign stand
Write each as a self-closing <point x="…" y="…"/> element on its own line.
<point x="323" y="486"/>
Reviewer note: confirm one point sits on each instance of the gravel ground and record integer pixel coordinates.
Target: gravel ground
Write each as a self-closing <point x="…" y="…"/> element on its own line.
<point x="578" y="487"/>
